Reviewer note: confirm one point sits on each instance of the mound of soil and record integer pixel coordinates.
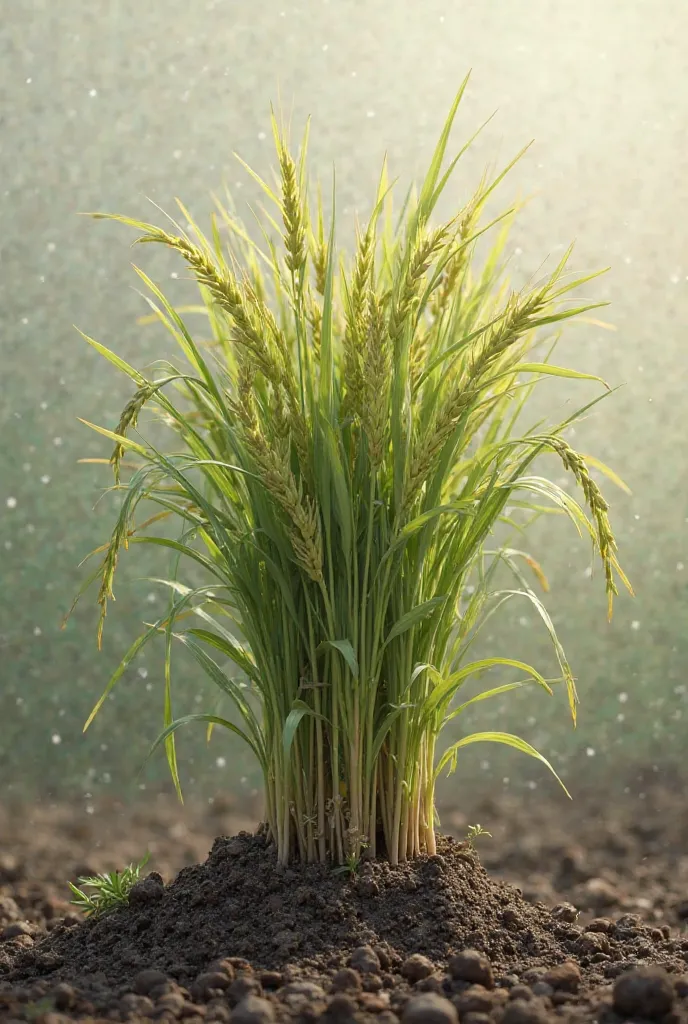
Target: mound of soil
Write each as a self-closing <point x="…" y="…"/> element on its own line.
<point x="238" y="938"/>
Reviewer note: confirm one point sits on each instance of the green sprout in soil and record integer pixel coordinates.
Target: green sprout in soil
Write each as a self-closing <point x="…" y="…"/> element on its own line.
<point x="352" y="863"/>
<point x="110" y="889"/>
<point x="346" y="453"/>
<point x="474" y="831"/>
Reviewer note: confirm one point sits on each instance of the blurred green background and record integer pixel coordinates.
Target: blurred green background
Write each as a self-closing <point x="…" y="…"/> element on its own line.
<point x="104" y="105"/>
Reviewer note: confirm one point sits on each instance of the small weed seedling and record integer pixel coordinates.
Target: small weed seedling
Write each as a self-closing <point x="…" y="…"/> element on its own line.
<point x="110" y="889"/>
<point x="473" y="832"/>
<point x="351" y="866"/>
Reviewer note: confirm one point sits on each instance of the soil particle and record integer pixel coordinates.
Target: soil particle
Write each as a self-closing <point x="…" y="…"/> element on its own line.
<point x="416" y="967"/>
<point x="429" y="1008"/>
<point x="564" y="977"/>
<point x="645" y="992"/>
<point x="472" y="966"/>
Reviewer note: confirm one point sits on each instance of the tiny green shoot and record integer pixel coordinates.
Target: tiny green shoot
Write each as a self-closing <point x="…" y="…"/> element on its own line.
<point x="473" y="832"/>
<point x="109" y="890"/>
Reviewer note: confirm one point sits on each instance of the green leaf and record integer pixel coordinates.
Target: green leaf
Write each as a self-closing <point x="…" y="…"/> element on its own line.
<point x="187" y="719"/>
<point x="116" y="360"/>
<point x="126" y="442"/>
<point x="444" y="693"/>
<point x="140" y="642"/>
<point x="505" y="738"/>
<point x="606" y="471"/>
<point x="230" y="646"/>
<point x="554" y="371"/>
<point x="346" y="650"/>
<point x="299" y="710"/>
<point x="414" y="617"/>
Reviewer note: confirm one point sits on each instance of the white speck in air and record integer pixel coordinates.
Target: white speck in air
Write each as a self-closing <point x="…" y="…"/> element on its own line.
<point x="92" y="93"/>
<point x="37" y="630"/>
<point x="370" y="113"/>
<point x="44" y="406"/>
<point x="635" y="625"/>
<point x="627" y="259"/>
<point x="25" y="320"/>
<point x="51" y="247"/>
<point x="56" y="739"/>
<point x="680" y="567"/>
<point x="151" y="598"/>
<point x="220" y="762"/>
<point x="326" y="47"/>
<point x="262" y="136"/>
<point x="143" y="672"/>
<point x="11" y="502"/>
<point x="45" y="479"/>
<point x="623" y="697"/>
<point x="177" y="154"/>
<point x="57" y="441"/>
<point x="590" y="751"/>
<point x="674" y="278"/>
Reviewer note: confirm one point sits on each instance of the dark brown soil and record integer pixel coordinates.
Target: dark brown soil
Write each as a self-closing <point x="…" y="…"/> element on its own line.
<point x="441" y="940"/>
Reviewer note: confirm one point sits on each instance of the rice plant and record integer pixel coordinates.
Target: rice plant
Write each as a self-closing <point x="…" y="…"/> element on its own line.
<point x="344" y="449"/>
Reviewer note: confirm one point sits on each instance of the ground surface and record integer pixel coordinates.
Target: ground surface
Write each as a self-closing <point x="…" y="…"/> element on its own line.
<point x="602" y="891"/>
